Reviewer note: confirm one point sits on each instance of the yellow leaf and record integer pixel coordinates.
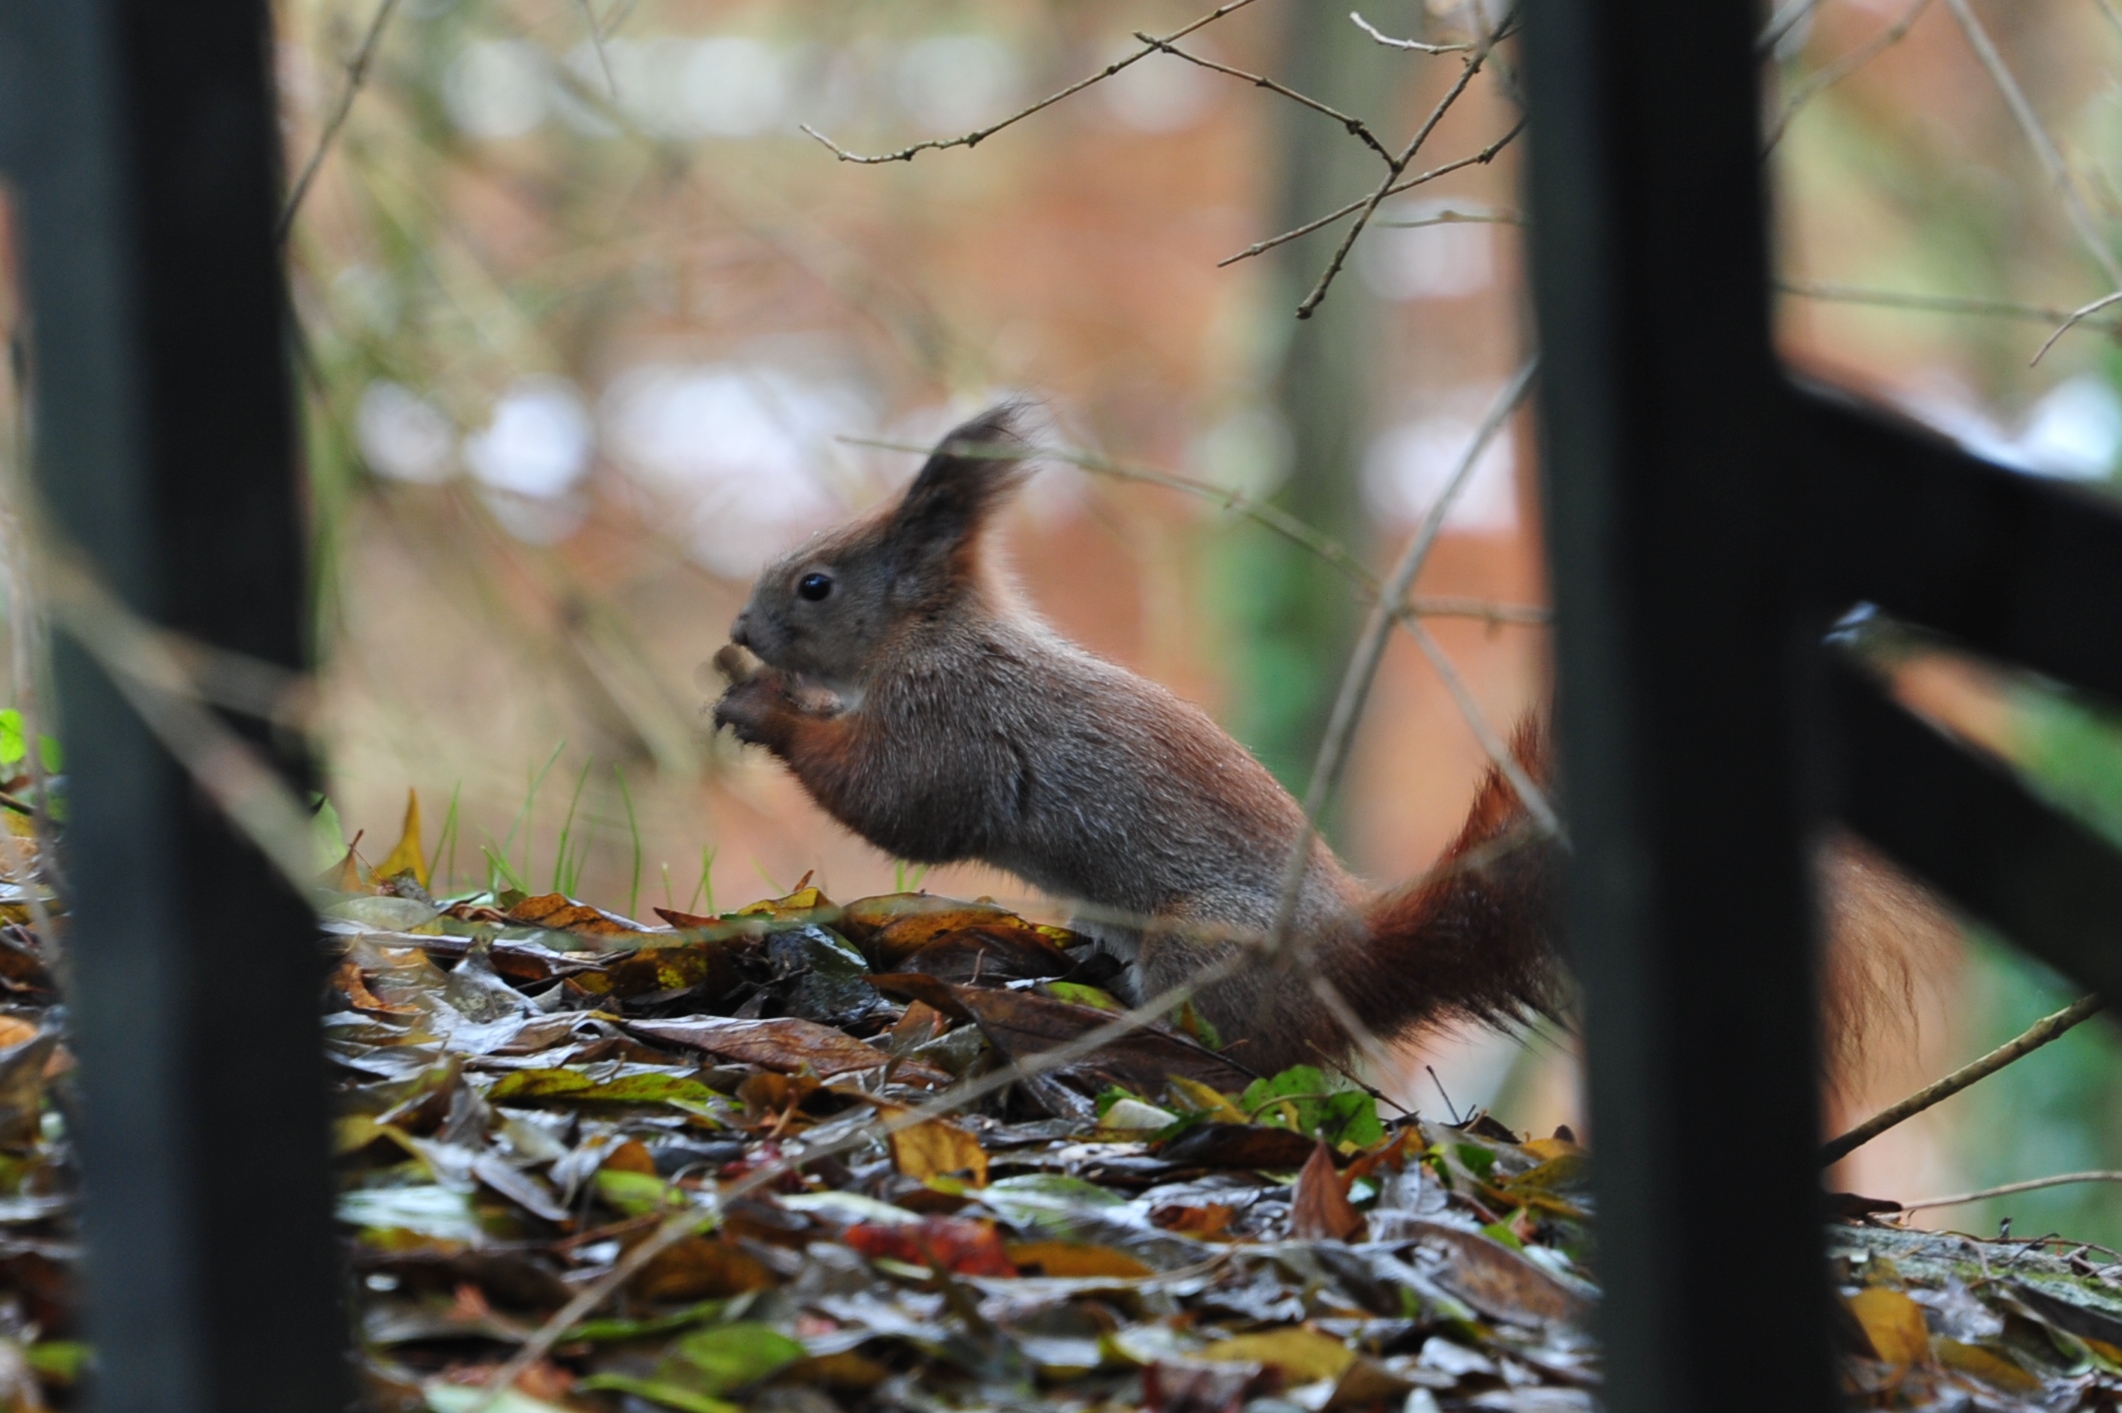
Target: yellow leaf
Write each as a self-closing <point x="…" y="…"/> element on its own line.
<point x="1305" y="1356"/>
<point x="1070" y="1258"/>
<point x="1208" y="1101"/>
<point x="1893" y="1323"/>
<point x="936" y="1149"/>
<point x="1991" y="1368"/>
<point x="408" y="856"/>
<point x="1548" y="1150"/>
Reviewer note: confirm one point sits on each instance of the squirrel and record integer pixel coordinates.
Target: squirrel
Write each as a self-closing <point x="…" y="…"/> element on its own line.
<point x="895" y="670"/>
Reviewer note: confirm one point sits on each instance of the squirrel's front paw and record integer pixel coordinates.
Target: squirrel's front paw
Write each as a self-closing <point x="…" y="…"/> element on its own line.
<point x="749" y="707"/>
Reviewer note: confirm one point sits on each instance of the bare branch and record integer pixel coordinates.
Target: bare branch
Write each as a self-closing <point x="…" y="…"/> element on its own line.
<point x="596" y="39"/>
<point x="1457" y="218"/>
<point x="1834" y="72"/>
<point x="1781" y="23"/>
<point x="1414" y="46"/>
<point x="1492" y="744"/>
<point x="2030" y="1185"/>
<point x="1478" y="159"/>
<point x="1370" y="649"/>
<point x="1932" y="303"/>
<point x="2040" y="1033"/>
<point x="1355" y="126"/>
<point x="1398" y="165"/>
<point x="978" y="136"/>
<point x="356" y="75"/>
<point x="2044" y="146"/>
<point x="2077" y="317"/>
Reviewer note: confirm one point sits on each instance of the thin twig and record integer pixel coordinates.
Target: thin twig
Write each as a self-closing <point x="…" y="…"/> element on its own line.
<point x="2044" y="146"/>
<point x="2040" y="1033"/>
<point x="1355" y="126"/>
<point x="356" y="76"/>
<point x="2030" y="1185"/>
<point x="1397" y="165"/>
<point x="975" y="138"/>
<point x="596" y="39"/>
<point x="1478" y="159"/>
<point x="1370" y="649"/>
<point x="1931" y="303"/>
<point x="1413" y="46"/>
<point x="1781" y="23"/>
<point x="1833" y="72"/>
<point x="2076" y="317"/>
<point x="1499" y="754"/>
<point x="1457" y="218"/>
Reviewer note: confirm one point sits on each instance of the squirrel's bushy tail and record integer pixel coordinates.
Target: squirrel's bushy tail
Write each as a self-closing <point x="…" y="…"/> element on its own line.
<point x="1477" y="937"/>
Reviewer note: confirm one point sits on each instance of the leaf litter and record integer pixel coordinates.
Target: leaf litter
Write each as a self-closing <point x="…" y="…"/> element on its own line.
<point x="529" y="1088"/>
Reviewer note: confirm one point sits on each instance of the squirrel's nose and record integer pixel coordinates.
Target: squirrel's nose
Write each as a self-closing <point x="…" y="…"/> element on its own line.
<point x="740" y="631"/>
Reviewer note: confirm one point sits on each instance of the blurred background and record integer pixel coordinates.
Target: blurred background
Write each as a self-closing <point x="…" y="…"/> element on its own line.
<point x="589" y="329"/>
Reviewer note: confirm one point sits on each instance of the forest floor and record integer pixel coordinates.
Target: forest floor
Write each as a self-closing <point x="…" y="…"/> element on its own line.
<point x="795" y="1158"/>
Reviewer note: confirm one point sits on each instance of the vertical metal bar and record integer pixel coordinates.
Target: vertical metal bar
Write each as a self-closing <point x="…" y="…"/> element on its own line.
<point x="1670" y="519"/>
<point x="144" y="148"/>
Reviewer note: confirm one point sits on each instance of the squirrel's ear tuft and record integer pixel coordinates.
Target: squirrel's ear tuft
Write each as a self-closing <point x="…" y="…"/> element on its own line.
<point x="971" y="472"/>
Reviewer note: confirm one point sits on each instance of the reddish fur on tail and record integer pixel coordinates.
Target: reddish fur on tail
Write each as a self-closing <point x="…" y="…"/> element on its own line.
<point x="1475" y="938"/>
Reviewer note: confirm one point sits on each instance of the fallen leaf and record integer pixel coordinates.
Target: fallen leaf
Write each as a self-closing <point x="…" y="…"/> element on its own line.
<point x="1208" y="1221"/>
<point x="726" y="1357"/>
<point x="563" y="914"/>
<point x="1893" y="1323"/>
<point x="1239" y="1146"/>
<point x="1303" y="1355"/>
<point x="1319" y="1209"/>
<point x="1070" y="1258"/>
<point x="1172" y="1388"/>
<point x="1990" y="1367"/>
<point x="787" y="1044"/>
<point x="407" y="856"/>
<point x="963" y="1246"/>
<point x="1496" y="1280"/>
<point x="1022" y="1024"/>
<point x="935" y="1148"/>
<point x="701" y="1268"/>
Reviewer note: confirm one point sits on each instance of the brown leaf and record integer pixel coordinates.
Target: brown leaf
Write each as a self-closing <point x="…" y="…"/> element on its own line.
<point x="1304" y="1355"/>
<point x="1238" y="1146"/>
<point x="1076" y="1259"/>
<point x="1496" y="1280"/>
<point x="1208" y="1221"/>
<point x="914" y="986"/>
<point x="700" y="1268"/>
<point x="894" y="930"/>
<point x="1319" y="1209"/>
<point x="1170" y="1388"/>
<point x="960" y="1245"/>
<point x="785" y="1044"/>
<point x="1893" y="1323"/>
<point x="673" y="967"/>
<point x="1021" y="1024"/>
<point x="563" y="914"/>
<point x="938" y="1149"/>
<point x="921" y="1023"/>
<point x="631" y="1156"/>
<point x="1991" y="1367"/>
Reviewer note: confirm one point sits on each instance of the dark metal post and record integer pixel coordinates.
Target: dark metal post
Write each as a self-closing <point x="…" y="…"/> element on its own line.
<point x="143" y="144"/>
<point x="1671" y="519"/>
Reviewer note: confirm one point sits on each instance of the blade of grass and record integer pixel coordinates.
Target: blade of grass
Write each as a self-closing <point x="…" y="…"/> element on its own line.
<point x="498" y="870"/>
<point x="523" y="812"/>
<point x="567" y="829"/>
<point x="778" y="890"/>
<point x="633" y="830"/>
<point x="448" y="838"/>
<point x="707" y="883"/>
<point x="668" y="900"/>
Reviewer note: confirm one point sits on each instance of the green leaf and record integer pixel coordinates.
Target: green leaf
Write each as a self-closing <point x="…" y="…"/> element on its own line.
<point x="330" y="838"/>
<point x="1113" y="1094"/>
<point x="59" y="1361"/>
<point x="627" y="1089"/>
<point x="1475" y="1159"/>
<point x="11" y="747"/>
<point x="656" y="1391"/>
<point x="463" y="1398"/>
<point x="1352" y="1117"/>
<point x="635" y="1194"/>
<point x="1081" y="995"/>
<point x="1200" y="1027"/>
<point x="730" y="1356"/>
<point x="605" y="1330"/>
<point x="54" y="758"/>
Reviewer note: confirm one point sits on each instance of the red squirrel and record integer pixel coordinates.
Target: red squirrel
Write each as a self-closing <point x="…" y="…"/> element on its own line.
<point x="926" y="707"/>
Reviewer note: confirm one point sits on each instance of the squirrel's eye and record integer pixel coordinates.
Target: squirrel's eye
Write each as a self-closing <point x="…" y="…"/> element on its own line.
<point x="814" y="586"/>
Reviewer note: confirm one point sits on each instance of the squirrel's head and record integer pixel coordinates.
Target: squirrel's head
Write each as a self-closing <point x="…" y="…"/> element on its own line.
<point x="824" y="610"/>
